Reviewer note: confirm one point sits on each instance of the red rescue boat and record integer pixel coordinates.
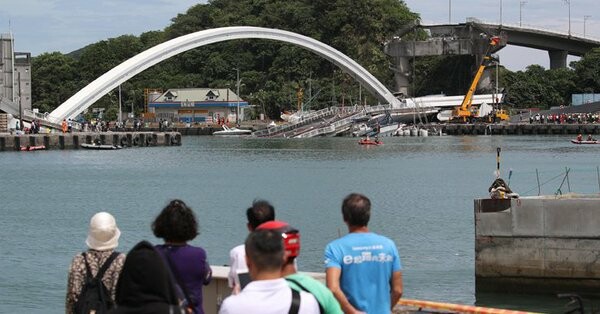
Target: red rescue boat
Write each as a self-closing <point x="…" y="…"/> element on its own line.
<point x="31" y="148"/>
<point x="365" y="141"/>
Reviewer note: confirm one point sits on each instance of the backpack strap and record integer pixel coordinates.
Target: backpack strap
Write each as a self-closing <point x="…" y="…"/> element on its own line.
<point x="321" y="310"/>
<point x="87" y="266"/>
<point x="105" y="266"/>
<point x="295" y="306"/>
<point x="182" y="285"/>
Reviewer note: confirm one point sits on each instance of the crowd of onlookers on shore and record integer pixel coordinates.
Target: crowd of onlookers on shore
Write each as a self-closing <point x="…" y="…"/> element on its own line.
<point x="362" y="268"/>
<point x="562" y="118"/>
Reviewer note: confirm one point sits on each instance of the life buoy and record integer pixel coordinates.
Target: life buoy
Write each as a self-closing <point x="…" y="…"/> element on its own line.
<point x="175" y="140"/>
<point x="150" y="140"/>
<point x="124" y="141"/>
<point x="136" y="141"/>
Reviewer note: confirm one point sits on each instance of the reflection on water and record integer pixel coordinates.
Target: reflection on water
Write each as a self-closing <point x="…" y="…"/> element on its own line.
<point x="422" y="191"/>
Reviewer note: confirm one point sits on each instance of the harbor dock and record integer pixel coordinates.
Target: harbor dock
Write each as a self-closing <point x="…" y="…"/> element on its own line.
<point x="11" y="142"/>
<point x="520" y="129"/>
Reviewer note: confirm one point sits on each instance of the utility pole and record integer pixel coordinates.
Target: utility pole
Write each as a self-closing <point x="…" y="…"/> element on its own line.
<point x="521" y="4"/>
<point x="120" y="120"/>
<point x="20" y="108"/>
<point x="237" y="113"/>
<point x="585" y="18"/>
<point x="132" y="101"/>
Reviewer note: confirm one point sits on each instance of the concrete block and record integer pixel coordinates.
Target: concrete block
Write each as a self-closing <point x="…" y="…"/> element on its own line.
<point x="572" y="218"/>
<point x="494" y="224"/>
<point x="500" y="256"/>
<point x="527" y="217"/>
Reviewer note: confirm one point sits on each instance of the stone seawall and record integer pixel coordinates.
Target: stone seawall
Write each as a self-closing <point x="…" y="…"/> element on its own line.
<point x="10" y="142"/>
<point x="543" y="244"/>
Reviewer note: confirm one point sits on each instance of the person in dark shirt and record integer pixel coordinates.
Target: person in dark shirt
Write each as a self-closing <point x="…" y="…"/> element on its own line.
<point x="177" y="225"/>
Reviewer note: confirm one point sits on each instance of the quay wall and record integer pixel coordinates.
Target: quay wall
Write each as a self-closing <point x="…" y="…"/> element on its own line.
<point x="543" y="244"/>
<point x="520" y="129"/>
<point x="9" y="142"/>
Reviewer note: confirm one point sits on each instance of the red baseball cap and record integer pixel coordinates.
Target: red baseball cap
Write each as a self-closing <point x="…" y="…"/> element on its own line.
<point x="290" y="235"/>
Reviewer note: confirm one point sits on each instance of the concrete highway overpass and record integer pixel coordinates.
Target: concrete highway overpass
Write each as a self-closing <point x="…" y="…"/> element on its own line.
<point x="468" y="39"/>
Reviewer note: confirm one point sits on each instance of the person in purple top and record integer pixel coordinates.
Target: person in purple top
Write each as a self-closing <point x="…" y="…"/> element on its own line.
<point x="177" y="225"/>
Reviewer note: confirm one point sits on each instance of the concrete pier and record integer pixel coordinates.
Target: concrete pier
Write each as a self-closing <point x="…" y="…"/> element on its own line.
<point x="544" y="244"/>
<point x="11" y="142"/>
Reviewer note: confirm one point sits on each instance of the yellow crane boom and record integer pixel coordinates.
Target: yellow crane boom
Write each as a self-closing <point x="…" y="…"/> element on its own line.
<point x="464" y="111"/>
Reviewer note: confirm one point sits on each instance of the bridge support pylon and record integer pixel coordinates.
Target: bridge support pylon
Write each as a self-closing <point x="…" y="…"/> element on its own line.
<point x="558" y="59"/>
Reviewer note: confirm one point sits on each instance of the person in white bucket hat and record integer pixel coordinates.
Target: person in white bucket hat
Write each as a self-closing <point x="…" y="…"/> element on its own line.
<point x="103" y="238"/>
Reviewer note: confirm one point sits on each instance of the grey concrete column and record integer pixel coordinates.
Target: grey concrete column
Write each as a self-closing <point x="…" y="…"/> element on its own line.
<point x="558" y="59"/>
<point x="401" y="75"/>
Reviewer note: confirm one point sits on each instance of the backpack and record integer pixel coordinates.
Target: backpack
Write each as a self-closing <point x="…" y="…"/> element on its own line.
<point x="94" y="296"/>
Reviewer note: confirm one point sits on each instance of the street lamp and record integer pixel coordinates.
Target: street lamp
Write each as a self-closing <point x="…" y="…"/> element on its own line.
<point x="449" y="11"/>
<point x="569" y="3"/>
<point x="521" y="4"/>
<point x="585" y="18"/>
<point x="500" y="12"/>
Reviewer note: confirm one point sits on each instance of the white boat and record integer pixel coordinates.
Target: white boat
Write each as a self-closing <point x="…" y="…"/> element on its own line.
<point x="233" y="131"/>
<point x="361" y="130"/>
<point x="99" y="146"/>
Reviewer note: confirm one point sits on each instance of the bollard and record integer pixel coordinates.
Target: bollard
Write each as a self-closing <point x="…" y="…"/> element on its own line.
<point x="142" y="140"/>
<point x="76" y="141"/>
<point x="167" y="139"/>
<point x="17" y="143"/>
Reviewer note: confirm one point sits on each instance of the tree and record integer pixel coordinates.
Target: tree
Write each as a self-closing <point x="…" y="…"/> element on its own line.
<point x="55" y="79"/>
<point x="587" y="71"/>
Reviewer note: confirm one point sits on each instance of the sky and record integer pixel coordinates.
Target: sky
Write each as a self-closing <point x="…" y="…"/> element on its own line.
<point x="66" y="25"/>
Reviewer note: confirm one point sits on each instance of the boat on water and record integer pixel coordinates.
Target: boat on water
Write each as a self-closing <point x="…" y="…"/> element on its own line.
<point x="100" y="146"/>
<point x="233" y="131"/>
<point x="32" y="148"/>
<point x="585" y="142"/>
<point x="361" y="130"/>
<point x="366" y="141"/>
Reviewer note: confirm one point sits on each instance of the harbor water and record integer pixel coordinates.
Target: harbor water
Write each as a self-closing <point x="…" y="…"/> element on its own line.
<point x="422" y="190"/>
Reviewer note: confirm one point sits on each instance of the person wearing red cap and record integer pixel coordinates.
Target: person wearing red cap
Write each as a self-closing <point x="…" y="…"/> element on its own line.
<point x="301" y="282"/>
<point x="261" y="211"/>
<point x="268" y="292"/>
<point x="363" y="268"/>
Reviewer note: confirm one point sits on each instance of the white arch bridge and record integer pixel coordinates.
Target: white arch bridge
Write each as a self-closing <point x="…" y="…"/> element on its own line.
<point x="124" y="71"/>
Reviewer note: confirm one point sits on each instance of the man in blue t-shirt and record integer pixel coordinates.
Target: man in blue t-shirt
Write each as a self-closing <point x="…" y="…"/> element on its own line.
<point x="363" y="268"/>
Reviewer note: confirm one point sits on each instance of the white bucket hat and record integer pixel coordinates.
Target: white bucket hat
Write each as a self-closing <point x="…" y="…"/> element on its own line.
<point x="104" y="234"/>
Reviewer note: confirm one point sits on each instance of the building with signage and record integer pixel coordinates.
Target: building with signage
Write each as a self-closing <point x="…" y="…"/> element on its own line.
<point x="203" y="105"/>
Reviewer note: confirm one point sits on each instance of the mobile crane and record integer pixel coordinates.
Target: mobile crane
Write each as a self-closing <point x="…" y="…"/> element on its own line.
<point x="466" y="112"/>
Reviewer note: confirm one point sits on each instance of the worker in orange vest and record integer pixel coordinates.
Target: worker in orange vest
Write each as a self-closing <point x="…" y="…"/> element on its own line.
<point x="64" y="126"/>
